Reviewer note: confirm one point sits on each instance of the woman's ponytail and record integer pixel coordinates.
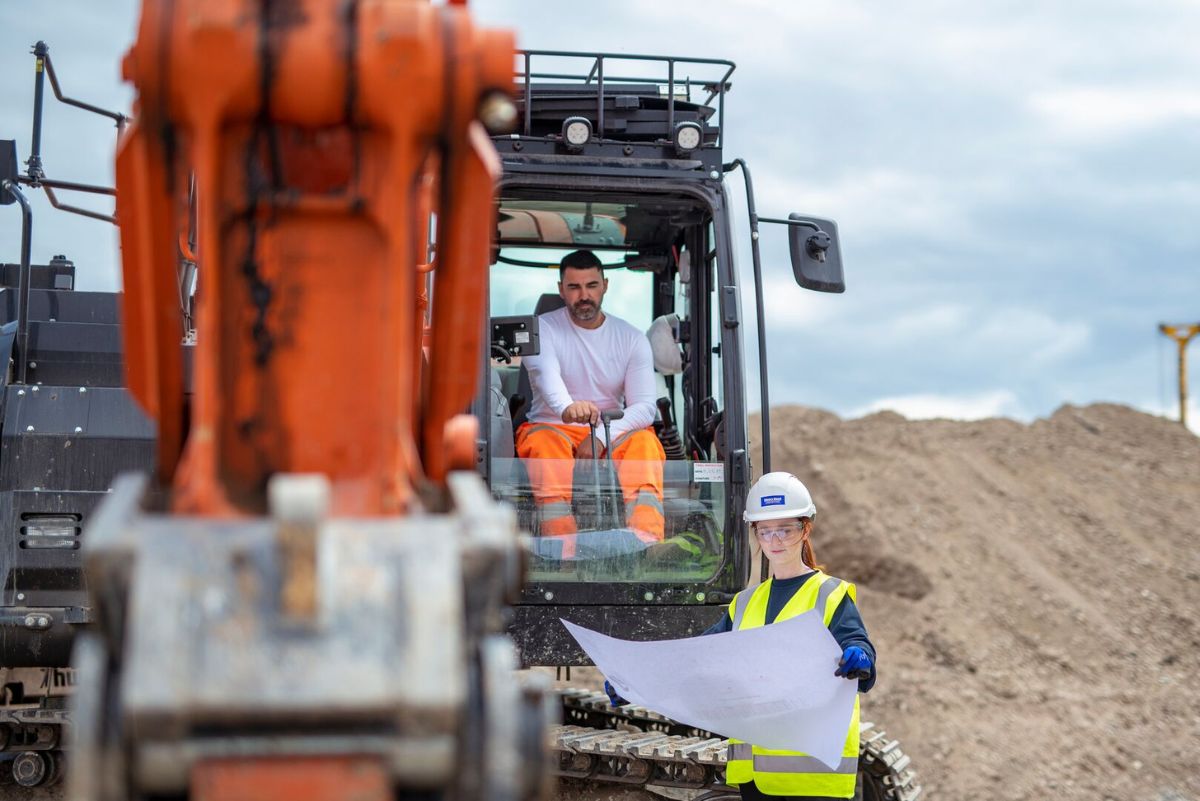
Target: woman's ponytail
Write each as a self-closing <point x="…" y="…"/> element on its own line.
<point x="806" y="552"/>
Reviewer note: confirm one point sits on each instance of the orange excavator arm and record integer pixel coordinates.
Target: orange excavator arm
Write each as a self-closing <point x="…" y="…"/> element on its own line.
<point x="323" y="137"/>
<point x="311" y="127"/>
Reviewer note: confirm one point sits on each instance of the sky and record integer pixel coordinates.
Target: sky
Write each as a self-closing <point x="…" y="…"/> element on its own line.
<point x="1016" y="185"/>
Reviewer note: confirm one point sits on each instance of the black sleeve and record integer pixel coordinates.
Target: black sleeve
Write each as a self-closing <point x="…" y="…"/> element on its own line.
<point x="848" y="629"/>
<point x="720" y="627"/>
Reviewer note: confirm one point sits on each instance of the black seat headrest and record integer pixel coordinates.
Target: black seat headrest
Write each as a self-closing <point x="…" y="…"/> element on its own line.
<point x="548" y="303"/>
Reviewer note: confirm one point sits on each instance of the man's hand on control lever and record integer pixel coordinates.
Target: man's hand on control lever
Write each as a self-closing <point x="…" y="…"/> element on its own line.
<point x="581" y="412"/>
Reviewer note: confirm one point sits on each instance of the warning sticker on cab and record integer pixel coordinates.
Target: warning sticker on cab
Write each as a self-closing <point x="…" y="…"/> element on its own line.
<point x="708" y="472"/>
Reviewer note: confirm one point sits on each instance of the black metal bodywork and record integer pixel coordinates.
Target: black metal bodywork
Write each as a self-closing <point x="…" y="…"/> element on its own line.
<point x="68" y="426"/>
<point x="67" y="432"/>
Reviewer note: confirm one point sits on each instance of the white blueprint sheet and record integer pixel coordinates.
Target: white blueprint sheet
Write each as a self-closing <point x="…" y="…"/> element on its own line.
<point x="771" y="685"/>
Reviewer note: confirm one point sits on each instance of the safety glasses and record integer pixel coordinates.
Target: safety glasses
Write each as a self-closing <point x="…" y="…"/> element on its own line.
<point x="781" y="533"/>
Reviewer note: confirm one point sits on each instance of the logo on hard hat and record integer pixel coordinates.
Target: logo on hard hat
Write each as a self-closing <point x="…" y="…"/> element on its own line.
<point x="771" y="500"/>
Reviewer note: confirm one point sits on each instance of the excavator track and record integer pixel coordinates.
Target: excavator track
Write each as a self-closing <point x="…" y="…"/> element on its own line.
<point x="635" y="745"/>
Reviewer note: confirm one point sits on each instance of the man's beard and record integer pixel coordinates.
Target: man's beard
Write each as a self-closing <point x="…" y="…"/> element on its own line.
<point x="585" y="311"/>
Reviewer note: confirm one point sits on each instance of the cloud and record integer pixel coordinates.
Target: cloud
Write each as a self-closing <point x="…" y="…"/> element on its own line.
<point x="930" y="324"/>
<point x="878" y="201"/>
<point x="788" y="306"/>
<point x="974" y="334"/>
<point x="1099" y="113"/>
<point x="972" y="406"/>
<point x="1030" y="334"/>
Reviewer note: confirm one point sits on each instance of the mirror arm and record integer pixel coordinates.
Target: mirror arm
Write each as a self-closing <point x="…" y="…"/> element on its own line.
<point x="816" y="245"/>
<point x="765" y="412"/>
<point x="802" y="223"/>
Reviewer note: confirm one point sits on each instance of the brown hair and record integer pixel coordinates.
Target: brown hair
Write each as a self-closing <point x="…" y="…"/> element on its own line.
<point x="806" y="552"/>
<point x="810" y="558"/>
<point x="579" y="260"/>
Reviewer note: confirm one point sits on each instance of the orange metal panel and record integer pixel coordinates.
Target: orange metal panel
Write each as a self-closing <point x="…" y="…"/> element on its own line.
<point x="307" y="779"/>
<point x="153" y="322"/>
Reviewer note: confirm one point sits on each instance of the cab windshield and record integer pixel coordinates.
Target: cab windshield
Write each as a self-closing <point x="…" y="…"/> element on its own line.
<point x="582" y="513"/>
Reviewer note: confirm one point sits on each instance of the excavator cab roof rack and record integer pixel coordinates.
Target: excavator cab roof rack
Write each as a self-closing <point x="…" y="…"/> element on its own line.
<point x="618" y="105"/>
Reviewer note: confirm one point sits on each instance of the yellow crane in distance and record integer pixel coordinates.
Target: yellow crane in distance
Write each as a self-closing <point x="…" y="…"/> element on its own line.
<point x="1182" y="333"/>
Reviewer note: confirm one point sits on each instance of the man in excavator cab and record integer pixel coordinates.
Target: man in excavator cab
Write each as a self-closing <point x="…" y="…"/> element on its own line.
<point x="593" y="367"/>
<point x="593" y="460"/>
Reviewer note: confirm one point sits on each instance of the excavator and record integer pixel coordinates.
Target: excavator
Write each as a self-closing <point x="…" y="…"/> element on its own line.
<point x="266" y="535"/>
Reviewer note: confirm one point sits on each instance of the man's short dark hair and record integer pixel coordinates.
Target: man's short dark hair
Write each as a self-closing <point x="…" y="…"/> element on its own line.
<point x="579" y="260"/>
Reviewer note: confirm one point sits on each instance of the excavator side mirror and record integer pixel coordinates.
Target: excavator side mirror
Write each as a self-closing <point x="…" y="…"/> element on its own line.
<point x="816" y="253"/>
<point x="8" y="168"/>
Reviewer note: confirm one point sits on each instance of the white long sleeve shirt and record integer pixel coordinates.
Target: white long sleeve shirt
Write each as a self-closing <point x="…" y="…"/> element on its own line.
<point x="611" y="366"/>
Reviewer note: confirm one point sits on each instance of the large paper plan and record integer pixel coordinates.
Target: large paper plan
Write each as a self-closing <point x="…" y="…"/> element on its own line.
<point x="772" y="686"/>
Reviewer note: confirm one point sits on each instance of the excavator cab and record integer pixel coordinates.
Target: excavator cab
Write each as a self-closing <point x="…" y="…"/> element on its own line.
<point x="622" y="155"/>
<point x="610" y="545"/>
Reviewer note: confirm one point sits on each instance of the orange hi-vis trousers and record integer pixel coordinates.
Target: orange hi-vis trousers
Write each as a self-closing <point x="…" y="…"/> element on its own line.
<point x="550" y="449"/>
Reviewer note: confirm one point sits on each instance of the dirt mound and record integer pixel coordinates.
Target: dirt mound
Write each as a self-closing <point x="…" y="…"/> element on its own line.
<point x="1033" y="591"/>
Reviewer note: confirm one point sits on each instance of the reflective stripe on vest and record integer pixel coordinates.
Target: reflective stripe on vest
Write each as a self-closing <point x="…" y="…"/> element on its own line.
<point x="644" y="498"/>
<point x="737" y="607"/>
<point x="533" y="428"/>
<point x="765" y="763"/>
<point x="788" y="772"/>
<point x="552" y="510"/>
<point x="616" y="443"/>
<point x="775" y="763"/>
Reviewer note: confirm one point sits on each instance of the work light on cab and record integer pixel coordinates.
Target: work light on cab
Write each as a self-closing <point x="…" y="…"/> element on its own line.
<point x="687" y="137"/>
<point x="576" y="132"/>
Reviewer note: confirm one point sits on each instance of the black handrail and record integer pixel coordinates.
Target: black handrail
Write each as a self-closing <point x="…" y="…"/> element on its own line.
<point x="35" y="175"/>
<point x="595" y="72"/>
<point x="600" y="97"/>
<point x="42" y="51"/>
<point x="631" y="57"/>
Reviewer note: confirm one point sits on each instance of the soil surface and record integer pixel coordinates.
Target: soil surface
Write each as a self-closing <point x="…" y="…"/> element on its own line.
<point x="1033" y="591"/>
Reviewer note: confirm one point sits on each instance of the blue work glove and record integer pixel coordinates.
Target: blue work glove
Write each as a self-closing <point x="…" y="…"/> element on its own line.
<point x="613" y="697"/>
<point x="855" y="664"/>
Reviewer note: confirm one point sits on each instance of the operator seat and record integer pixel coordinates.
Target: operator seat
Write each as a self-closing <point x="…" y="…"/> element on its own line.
<point x="546" y="303"/>
<point x="506" y="412"/>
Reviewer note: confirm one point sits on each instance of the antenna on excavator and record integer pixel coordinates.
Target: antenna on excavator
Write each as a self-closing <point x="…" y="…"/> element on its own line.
<point x="1182" y="333"/>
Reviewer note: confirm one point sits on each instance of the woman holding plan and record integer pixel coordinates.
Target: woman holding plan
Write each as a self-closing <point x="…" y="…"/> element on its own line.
<point x="780" y="511"/>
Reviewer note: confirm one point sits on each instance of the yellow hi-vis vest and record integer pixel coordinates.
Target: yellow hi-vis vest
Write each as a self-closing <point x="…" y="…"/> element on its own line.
<point x="792" y="772"/>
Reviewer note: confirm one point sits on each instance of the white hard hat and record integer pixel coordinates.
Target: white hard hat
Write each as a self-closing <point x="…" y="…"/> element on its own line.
<point x="778" y="495"/>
